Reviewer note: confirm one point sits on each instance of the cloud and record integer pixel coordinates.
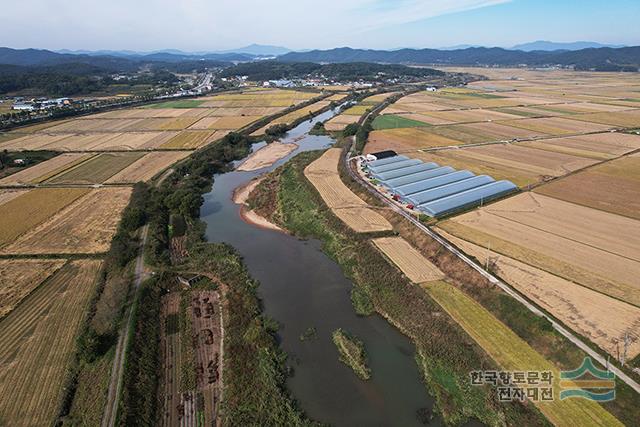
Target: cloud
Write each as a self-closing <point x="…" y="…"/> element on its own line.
<point x="209" y="24"/>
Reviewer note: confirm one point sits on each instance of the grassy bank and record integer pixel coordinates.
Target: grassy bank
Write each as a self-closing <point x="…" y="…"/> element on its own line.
<point x="535" y="331"/>
<point x="445" y="353"/>
<point x="254" y="370"/>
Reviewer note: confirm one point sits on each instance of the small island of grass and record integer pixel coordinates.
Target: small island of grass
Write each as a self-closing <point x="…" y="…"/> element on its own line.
<point x="352" y="353"/>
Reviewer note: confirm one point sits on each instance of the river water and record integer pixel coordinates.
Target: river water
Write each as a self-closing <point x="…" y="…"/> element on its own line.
<point x="301" y="288"/>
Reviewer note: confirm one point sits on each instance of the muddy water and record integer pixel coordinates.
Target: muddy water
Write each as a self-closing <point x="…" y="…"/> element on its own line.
<point x="301" y="288"/>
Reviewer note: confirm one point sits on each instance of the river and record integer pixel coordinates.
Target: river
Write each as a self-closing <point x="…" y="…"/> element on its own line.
<point x="301" y="288"/>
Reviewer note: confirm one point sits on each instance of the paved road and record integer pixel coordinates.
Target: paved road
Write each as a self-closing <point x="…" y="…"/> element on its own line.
<point x="115" y="384"/>
<point x="506" y="288"/>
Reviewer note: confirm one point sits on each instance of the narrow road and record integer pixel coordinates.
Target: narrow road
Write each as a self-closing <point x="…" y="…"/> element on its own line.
<point x="491" y="278"/>
<point x="115" y="383"/>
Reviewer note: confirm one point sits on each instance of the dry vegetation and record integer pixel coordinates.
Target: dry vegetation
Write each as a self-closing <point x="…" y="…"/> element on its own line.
<point x="591" y="247"/>
<point x="603" y="320"/>
<point x="38" y="340"/>
<point x="147" y="167"/>
<point x="19" y="277"/>
<point x="267" y="155"/>
<point x="85" y="226"/>
<point x="323" y="174"/>
<point x="24" y="212"/>
<point x="513" y="353"/>
<point x="95" y="170"/>
<point x="45" y="170"/>
<point x="593" y="187"/>
<point x="411" y="262"/>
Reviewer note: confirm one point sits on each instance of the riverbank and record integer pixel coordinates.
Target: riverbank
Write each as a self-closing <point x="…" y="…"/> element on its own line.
<point x="240" y="197"/>
<point x="445" y="354"/>
<point x="267" y="155"/>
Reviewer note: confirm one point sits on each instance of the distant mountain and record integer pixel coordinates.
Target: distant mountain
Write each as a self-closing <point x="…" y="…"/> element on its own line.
<point x="551" y="46"/>
<point x="601" y="59"/>
<point x="259" y="50"/>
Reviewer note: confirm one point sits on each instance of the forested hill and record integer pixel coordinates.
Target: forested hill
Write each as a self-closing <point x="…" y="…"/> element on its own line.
<point x="269" y="70"/>
<point x="600" y="59"/>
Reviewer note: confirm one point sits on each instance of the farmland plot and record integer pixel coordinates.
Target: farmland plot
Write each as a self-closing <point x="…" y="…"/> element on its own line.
<point x="19" y="277"/>
<point x="40" y="141"/>
<point x="178" y="408"/>
<point x="94" y="125"/>
<point x="518" y="163"/>
<point x="207" y="328"/>
<point x="585" y="311"/>
<point x="411" y="262"/>
<point x="623" y="119"/>
<point x="353" y="211"/>
<point x="45" y="170"/>
<point x="38" y="340"/>
<point x="96" y="170"/>
<point x="85" y="226"/>
<point x="593" y="248"/>
<point x="192" y="139"/>
<point x="514" y="354"/>
<point x="340" y="122"/>
<point x="147" y="167"/>
<point x="592" y="187"/>
<point x="22" y="213"/>
<point x="10" y="194"/>
<point x="599" y="146"/>
<point x="557" y="125"/>
<point x="294" y="115"/>
<point x="406" y="139"/>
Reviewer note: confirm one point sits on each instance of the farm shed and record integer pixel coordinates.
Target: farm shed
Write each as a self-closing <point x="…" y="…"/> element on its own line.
<point x="448" y="190"/>
<point x="393" y="166"/>
<point x="408" y="190"/>
<point x="467" y="198"/>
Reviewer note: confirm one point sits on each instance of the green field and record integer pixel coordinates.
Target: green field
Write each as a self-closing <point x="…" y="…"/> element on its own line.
<point x="186" y="103"/>
<point x="513" y="353"/>
<point x="97" y="169"/>
<point x="390" y="121"/>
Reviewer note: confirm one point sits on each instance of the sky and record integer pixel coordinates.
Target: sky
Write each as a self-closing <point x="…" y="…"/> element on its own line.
<point x="209" y="25"/>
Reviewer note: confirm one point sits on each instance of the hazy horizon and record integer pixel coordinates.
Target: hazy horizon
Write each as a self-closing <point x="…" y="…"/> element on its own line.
<point x="199" y="25"/>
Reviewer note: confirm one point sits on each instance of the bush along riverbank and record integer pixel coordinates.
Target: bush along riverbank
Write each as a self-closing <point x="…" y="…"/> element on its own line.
<point x="445" y="354"/>
<point x="254" y="369"/>
<point x="352" y="353"/>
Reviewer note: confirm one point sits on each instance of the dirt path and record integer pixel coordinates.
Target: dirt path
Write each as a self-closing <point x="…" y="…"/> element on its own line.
<point x="115" y="384"/>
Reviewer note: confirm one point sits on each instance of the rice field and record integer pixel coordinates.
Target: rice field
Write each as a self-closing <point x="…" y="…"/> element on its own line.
<point x="411" y="262"/>
<point x="24" y="212"/>
<point x="19" y="277"/>
<point x="188" y="140"/>
<point x="593" y="187"/>
<point x="353" y="211"/>
<point x="587" y="312"/>
<point x="512" y="353"/>
<point x="520" y="164"/>
<point x="85" y="226"/>
<point x="45" y="170"/>
<point x="593" y="248"/>
<point x="38" y="340"/>
<point x="291" y="117"/>
<point x="147" y="167"/>
<point x="95" y="170"/>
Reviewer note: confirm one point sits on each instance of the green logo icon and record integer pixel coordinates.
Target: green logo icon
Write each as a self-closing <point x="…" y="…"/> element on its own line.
<point x="598" y="385"/>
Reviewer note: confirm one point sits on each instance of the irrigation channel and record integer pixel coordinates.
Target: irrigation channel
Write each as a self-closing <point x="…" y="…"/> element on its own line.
<point x="303" y="288"/>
